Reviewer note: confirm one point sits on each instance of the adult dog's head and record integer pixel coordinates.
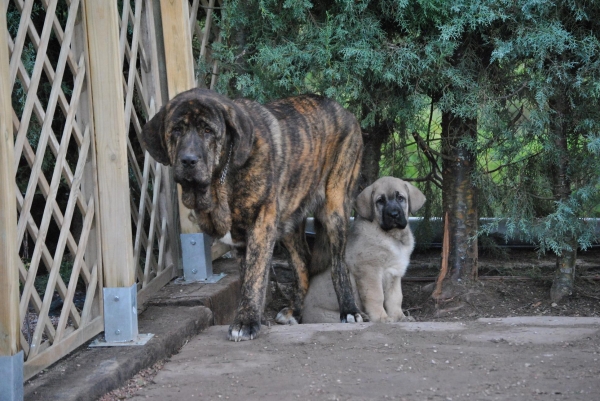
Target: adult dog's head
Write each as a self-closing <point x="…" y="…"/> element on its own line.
<point x="199" y="132"/>
<point x="388" y="201"/>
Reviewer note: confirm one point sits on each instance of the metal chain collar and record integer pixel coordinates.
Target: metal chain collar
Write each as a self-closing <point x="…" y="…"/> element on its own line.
<point x="226" y="168"/>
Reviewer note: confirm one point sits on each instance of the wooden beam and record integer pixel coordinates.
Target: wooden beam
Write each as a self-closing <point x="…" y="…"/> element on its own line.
<point x="180" y="69"/>
<point x="9" y="256"/>
<point x="111" y="142"/>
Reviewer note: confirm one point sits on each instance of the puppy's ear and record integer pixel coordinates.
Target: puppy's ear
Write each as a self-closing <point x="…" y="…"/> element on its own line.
<point x="240" y="126"/>
<point x="417" y="199"/>
<point x="153" y="137"/>
<point x="364" y="203"/>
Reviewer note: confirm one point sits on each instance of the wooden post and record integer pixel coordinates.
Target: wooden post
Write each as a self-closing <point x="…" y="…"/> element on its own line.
<point x="169" y="200"/>
<point x="9" y="257"/>
<point x="111" y="143"/>
<point x="180" y="69"/>
<point x="89" y="186"/>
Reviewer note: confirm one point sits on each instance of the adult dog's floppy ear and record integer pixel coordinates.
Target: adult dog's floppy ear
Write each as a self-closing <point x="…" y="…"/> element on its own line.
<point x="241" y="129"/>
<point x="364" y="203"/>
<point x="153" y="138"/>
<point x="417" y="199"/>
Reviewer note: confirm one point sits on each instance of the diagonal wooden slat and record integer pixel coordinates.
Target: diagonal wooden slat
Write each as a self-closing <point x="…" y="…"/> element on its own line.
<point x="56" y="177"/>
<point x="56" y="84"/>
<point x="43" y="183"/>
<point x="137" y="244"/>
<point x="86" y="312"/>
<point x="194" y="16"/>
<point x="35" y="298"/>
<point x="35" y="76"/>
<point x="123" y="26"/>
<point x="55" y="269"/>
<point x="56" y="213"/>
<point x="150" y="248"/>
<point x="40" y="113"/>
<point x="25" y="10"/>
<point x="20" y="40"/>
<point x="58" y="31"/>
<point x="141" y="51"/>
<point x="208" y="24"/>
<point x="68" y="302"/>
<point x="26" y="81"/>
<point x="144" y="244"/>
<point x="68" y="309"/>
<point x="161" y="247"/>
<point x="132" y="64"/>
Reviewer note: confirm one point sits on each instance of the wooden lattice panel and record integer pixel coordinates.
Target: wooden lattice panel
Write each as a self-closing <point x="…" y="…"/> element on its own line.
<point x="204" y="33"/>
<point x="149" y="181"/>
<point x="55" y="186"/>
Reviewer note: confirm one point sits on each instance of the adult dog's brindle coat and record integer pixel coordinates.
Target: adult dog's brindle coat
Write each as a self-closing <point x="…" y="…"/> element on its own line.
<point x="256" y="171"/>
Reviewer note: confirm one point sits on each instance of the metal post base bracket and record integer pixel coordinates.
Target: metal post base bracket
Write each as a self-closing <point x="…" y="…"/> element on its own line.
<point x="141" y="339"/>
<point x="11" y="377"/>
<point x="120" y="314"/>
<point x="197" y="258"/>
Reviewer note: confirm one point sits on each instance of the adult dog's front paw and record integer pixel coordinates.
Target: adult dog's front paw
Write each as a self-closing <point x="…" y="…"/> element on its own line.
<point x="286" y="316"/>
<point x="243" y="331"/>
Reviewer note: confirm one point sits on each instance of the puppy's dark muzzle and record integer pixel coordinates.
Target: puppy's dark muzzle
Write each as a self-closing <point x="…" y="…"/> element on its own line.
<point x="394" y="217"/>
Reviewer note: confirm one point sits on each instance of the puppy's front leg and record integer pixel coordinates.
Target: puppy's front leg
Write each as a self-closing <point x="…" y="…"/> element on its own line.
<point x="393" y="296"/>
<point x="371" y="292"/>
<point x="254" y="275"/>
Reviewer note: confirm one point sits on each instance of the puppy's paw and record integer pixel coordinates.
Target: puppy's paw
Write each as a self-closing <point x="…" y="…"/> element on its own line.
<point x="406" y="319"/>
<point x="239" y="331"/>
<point x="286" y="316"/>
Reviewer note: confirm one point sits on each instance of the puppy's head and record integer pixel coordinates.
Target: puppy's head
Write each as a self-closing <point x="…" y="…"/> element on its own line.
<point x="388" y="201"/>
<point x="193" y="132"/>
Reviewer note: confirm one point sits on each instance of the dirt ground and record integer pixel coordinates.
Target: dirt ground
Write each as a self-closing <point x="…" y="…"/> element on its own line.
<point x="511" y="283"/>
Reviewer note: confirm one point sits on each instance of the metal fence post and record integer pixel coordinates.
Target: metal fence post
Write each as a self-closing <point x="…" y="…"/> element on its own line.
<point x="11" y="358"/>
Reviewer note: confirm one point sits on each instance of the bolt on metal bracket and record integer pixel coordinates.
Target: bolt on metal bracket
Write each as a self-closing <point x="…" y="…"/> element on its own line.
<point x="11" y="372"/>
<point x="197" y="259"/>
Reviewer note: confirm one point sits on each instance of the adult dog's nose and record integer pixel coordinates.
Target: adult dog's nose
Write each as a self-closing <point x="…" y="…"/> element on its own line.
<point x="188" y="160"/>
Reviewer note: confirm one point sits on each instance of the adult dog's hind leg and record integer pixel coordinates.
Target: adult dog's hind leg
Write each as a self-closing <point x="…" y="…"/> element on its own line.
<point x="335" y="214"/>
<point x="297" y="248"/>
<point x="320" y="257"/>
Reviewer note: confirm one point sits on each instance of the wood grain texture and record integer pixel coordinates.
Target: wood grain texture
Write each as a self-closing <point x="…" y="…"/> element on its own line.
<point x="111" y="143"/>
<point x="180" y="69"/>
<point x="9" y="258"/>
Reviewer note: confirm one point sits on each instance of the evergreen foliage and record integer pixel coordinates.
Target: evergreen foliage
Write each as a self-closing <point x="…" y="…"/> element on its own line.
<point x="501" y="64"/>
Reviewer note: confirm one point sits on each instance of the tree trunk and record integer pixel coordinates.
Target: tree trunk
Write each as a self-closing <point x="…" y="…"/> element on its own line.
<point x="565" y="262"/>
<point x="373" y="140"/>
<point x="460" y="205"/>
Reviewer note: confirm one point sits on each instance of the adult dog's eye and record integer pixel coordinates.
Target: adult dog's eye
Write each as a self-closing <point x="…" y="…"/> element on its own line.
<point x="207" y="131"/>
<point x="176" y="132"/>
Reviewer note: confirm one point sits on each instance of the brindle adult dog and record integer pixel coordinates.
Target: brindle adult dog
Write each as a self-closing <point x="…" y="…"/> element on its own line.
<point x="256" y="171"/>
